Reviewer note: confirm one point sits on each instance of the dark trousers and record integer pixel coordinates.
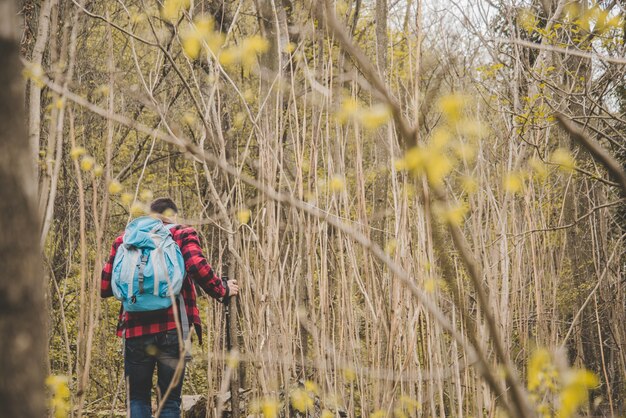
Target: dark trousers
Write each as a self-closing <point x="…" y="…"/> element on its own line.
<point x="142" y="354"/>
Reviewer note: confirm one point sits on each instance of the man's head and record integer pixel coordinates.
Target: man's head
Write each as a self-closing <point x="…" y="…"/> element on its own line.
<point x="164" y="206"/>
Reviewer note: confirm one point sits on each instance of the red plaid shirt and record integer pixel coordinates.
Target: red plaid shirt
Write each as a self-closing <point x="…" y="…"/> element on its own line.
<point x="135" y="324"/>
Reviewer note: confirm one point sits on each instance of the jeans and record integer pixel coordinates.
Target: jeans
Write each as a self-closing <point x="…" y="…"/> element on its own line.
<point x="141" y="355"/>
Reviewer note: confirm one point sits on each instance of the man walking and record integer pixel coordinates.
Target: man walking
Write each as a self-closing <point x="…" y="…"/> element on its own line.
<point x="151" y="337"/>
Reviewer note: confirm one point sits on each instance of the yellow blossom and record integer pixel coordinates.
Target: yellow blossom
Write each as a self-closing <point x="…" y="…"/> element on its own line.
<point x="349" y="375"/>
<point x="301" y="401"/>
<point x="527" y="20"/>
<point x="513" y="182"/>
<point x="238" y="120"/>
<point x="137" y="209"/>
<point x="77" y="152"/>
<point x="430" y="285"/>
<point x="439" y="139"/>
<point x="575" y="391"/>
<point x="564" y="159"/>
<point x="465" y="152"/>
<point x="454" y="215"/>
<point x="98" y="170"/>
<point x="191" y="46"/>
<point x="126" y="198"/>
<point x="115" y="187"/>
<point x="538" y="168"/>
<point x="348" y="110"/>
<point x="410" y="403"/>
<point x="469" y="184"/>
<point x="437" y="168"/>
<point x="171" y="8"/>
<point x="146" y="195"/>
<point x="60" y="395"/>
<point x="311" y="386"/>
<point x="243" y="216"/>
<point x="336" y="183"/>
<point x="87" y="163"/>
<point x="269" y="408"/>
<point x="290" y="47"/>
<point x="452" y="106"/>
<point x="539" y="362"/>
<point x="375" y="116"/>
<point x="327" y="414"/>
<point x="249" y="96"/>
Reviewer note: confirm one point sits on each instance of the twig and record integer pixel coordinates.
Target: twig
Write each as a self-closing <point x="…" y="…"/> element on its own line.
<point x="600" y="154"/>
<point x="565" y="51"/>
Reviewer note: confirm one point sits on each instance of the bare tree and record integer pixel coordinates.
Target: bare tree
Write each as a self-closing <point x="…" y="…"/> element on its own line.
<point x="22" y="346"/>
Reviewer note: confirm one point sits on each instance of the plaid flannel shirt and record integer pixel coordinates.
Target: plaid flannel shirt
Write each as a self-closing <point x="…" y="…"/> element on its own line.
<point x="135" y="324"/>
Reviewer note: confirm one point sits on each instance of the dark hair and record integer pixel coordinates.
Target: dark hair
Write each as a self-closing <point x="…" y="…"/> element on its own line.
<point x="162" y="204"/>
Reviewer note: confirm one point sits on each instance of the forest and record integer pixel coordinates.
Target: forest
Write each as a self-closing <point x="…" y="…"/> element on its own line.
<point x="422" y="202"/>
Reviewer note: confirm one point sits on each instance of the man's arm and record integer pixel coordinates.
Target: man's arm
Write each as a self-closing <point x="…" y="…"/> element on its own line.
<point x="107" y="271"/>
<point x="197" y="266"/>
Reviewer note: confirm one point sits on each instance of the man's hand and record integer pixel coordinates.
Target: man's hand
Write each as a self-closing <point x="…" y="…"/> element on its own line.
<point x="233" y="288"/>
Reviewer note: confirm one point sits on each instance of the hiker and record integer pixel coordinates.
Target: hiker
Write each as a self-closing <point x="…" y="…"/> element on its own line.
<point x="151" y="336"/>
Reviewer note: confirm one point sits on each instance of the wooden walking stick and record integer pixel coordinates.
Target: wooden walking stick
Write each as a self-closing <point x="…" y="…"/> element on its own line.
<point x="232" y="343"/>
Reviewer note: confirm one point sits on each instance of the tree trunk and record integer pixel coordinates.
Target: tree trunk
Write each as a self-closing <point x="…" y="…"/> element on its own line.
<point x="22" y="346"/>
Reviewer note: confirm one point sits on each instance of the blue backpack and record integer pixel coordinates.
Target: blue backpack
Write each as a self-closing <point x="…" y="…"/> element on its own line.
<point x="148" y="269"/>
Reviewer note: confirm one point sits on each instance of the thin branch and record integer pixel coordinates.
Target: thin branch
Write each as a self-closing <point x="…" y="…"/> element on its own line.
<point x="620" y="61"/>
<point x="600" y="154"/>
